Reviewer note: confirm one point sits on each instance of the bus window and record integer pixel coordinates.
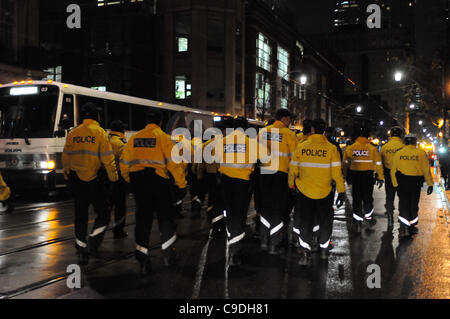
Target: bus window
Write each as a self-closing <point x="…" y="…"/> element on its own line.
<point x="117" y="111"/>
<point x="66" y="120"/>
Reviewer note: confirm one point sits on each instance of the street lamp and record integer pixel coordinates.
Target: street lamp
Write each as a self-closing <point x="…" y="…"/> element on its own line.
<point x="412" y="106"/>
<point x="420" y="122"/>
<point x="381" y="122"/>
<point x="303" y="79"/>
<point x="358" y="109"/>
<point x="398" y="76"/>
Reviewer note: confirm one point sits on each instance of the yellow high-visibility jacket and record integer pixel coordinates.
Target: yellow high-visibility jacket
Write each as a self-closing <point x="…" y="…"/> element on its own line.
<point x="315" y="164"/>
<point x="5" y="191"/>
<point x="184" y="144"/>
<point x="411" y="161"/>
<point x="118" y="141"/>
<point x="211" y="168"/>
<point x="151" y="147"/>
<point x="301" y="137"/>
<point x="237" y="159"/>
<point x="87" y="147"/>
<point x="389" y="149"/>
<point x="363" y="156"/>
<point x="279" y="142"/>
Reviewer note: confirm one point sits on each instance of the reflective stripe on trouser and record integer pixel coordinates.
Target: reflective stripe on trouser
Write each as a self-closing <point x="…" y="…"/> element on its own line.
<point x="275" y="192"/>
<point x="235" y="196"/>
<point x="409" y="188"/>
<point x="152" y="193"/>
<point x="306" y="209"/>
<point x="85" y="194"/>
<point x="362" y="193"/>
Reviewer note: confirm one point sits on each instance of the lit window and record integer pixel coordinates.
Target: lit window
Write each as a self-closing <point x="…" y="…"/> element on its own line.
<point x="262" y="92"/>
<point x="54" y="74"/>
<point x="263" y="52"/>
<point x="182" y="44"/>
<point x="182" y="87"/>
<point x="283" y="63"/>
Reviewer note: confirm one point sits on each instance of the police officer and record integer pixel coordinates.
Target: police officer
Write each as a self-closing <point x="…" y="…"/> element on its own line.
<point x="410" y="167"/>
<point x="360" y="160"/>
<point x="387" y="154"/>
<point x="5" y="194"/>
<point x="118" y="196"/>
<point x="314" y="165"/>
<point x="306" y="132"/>
<point x="145" y="163"/>
<point x="280" y="143"/>
<point x="87" y="148"/>
<point x="236" y="165"/>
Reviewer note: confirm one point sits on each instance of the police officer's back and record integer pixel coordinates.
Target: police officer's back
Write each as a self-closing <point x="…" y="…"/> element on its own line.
<point x="146" y="163"/>
<point x="87" y="148"/>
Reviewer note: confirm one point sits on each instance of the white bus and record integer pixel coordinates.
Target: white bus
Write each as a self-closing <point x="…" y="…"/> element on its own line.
<point x="32" y="129"/>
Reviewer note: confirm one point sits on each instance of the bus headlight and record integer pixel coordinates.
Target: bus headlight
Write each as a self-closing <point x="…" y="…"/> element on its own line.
<point x="48" y="164"/>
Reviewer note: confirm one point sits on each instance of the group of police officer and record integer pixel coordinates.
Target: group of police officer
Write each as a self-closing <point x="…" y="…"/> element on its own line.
<point x="303" y="171"/>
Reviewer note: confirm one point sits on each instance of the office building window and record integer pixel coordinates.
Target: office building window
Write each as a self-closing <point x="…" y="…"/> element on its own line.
<point x="263" y="52"/>
<point x="182" y="44"/>
<point x="182" y="87"/>
<point x="54" y="74"/>
<point x="262" y="92"/>
<point x="283" y="63"/>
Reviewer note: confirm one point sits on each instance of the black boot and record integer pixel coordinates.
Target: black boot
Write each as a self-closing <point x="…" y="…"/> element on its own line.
<point x="218" y="231"/>
<point x="235" y="260"/>
<point x="357" y="226"/>
<point x="403" y="231"/>
<point x="170" y="258"/>
<point x="144" y="263"/>
<point x="93" y="245"/>
<point x="83" y="256"/>
<point x="118" y="234"/>
<point x="324" y="253"/>
<point x="305" y="258"/>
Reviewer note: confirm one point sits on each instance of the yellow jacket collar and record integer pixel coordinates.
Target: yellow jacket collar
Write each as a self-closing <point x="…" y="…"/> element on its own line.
<point x="362" y="140"/>
<point x="395" y="138"/>
<point x="152" y="126"/>
<point x="278" y="124"/>
<point x="90" y="122"/>
<point x="317" y="138"/>
<point x="411" y="146"/>
<point x="119" y="134"/>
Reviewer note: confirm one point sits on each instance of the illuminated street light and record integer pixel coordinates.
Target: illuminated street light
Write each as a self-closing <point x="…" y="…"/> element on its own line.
<point x="424" y="130"/>
<point x="303" y="79"/>
<point x="412" y="106"/>
<point x="398" y="76"/>
<point x="420" y="122"/>
<point x="358" y="109"/>
<point x="381" y="122"/>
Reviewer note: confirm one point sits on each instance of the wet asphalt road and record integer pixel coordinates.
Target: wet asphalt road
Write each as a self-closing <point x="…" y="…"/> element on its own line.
<point x="37" y="245"/>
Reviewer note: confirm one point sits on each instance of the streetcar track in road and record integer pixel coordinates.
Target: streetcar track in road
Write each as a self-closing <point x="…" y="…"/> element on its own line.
<point x="62" y="276"/>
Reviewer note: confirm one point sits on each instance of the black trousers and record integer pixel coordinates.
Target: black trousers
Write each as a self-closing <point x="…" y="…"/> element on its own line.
<point x="390" y="192"/>
<point x="362" y="193"/>
<point x="215" y="199"/>
<point x="308" y="210"/>
<point x="117" y="200"/>
<point x="409" y="188"/>
<point x="85" y="194"/>
<point x="275" y="195"/>
<point x="197" y="190"/>
<point x="152" y="193"/>
<point x="235" y="195"/>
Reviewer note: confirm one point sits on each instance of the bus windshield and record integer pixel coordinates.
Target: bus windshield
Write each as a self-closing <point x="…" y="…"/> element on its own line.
<point x="28" y="111"/>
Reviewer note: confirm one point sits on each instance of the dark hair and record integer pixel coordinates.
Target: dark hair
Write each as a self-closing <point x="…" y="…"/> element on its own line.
<point x="307" y="125"/>
<point x="410" y="140"/>
<point x="117" y="126"/>
<point x="397" y="131"/>
<point x="240" y="122"/>
<point x="270" y="122"/>
<point x="89" y="111"/>
<point x="319" y="126"/>
<point x="363" y="131"/>
<point x="153" y="117"/>
<point x="282" y="113"/>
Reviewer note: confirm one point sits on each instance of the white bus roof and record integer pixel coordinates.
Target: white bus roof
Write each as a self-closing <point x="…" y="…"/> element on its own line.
<point x="75" y="89"/>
